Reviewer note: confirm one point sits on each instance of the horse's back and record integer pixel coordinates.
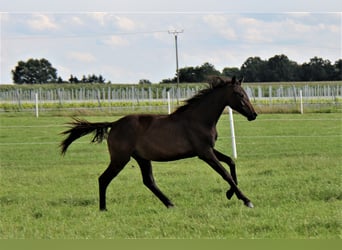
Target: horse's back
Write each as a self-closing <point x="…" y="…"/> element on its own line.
<point x="126" y="131"/>
<point x="152" y="137"/>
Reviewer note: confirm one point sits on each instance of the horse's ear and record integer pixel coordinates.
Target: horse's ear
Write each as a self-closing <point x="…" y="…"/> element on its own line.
<point x="237" y="82"/>
<point x="233" y="81"/>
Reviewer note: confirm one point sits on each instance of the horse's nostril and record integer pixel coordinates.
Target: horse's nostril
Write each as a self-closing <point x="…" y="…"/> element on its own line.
<point x="252" y="117"/>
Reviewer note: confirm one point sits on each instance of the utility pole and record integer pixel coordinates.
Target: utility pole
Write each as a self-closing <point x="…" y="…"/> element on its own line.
<point x="175" y="33"/>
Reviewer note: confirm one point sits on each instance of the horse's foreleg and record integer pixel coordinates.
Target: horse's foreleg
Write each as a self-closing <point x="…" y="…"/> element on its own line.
<point x="149" y="182"/>
<point x="210" y="158"/>
<point x="229" y="161"/>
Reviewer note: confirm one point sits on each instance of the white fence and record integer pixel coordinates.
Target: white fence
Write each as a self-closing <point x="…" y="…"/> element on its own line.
<point x="100" y="94"/>
<point x="145" y="97"/>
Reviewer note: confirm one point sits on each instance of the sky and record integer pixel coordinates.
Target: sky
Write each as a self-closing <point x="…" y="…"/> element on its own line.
<point x="126" y="41"/>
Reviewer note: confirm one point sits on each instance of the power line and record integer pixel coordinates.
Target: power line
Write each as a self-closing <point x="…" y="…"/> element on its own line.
<point x="73" y="36"/>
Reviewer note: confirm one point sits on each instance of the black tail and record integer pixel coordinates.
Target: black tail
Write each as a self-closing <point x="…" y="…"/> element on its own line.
<point x="82" y="127"/>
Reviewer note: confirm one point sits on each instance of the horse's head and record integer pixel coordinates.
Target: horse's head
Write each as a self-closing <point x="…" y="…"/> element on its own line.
<point x="240" y="102"/>
<point x="237" y="98"/>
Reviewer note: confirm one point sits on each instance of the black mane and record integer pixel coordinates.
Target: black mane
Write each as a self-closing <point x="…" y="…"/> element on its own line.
<point x="199" y="96"/>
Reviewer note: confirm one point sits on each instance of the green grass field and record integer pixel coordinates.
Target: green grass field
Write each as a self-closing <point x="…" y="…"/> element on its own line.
<point x="289" y="165"/>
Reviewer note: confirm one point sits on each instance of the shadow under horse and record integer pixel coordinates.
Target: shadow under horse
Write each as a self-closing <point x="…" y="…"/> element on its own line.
<point x="188" y="132"/>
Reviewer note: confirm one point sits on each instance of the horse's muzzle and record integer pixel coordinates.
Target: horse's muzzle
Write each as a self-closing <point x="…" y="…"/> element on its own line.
<point x="252" y="117"/>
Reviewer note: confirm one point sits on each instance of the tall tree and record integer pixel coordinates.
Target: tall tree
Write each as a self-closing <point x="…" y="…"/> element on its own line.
<point x="317" y="69"/>
<point x="280" y="68"/>
<point x="208" y="69"/>
<point x="196" y="74"/>
<point x="253" y="69"/>
<point x="338" y="70"/>
<point x="230" y="72"/>
<point x="34" y="71"/>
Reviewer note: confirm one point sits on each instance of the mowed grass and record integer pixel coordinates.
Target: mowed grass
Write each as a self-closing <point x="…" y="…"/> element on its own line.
<point x="290" y="166"/>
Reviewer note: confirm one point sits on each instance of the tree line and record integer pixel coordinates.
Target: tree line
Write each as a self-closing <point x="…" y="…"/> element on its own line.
<point x="278" y="68"/>
<point x="40" y="71"/>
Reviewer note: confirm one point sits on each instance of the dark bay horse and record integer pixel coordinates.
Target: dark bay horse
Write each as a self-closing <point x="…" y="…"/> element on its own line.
<point x="188" y="132"/>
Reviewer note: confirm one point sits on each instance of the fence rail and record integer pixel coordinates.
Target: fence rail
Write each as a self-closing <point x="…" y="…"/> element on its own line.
<point x="155" y="98"/>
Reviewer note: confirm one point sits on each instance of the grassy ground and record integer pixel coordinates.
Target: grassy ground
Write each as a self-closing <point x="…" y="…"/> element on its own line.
<point x="288" y="165"/>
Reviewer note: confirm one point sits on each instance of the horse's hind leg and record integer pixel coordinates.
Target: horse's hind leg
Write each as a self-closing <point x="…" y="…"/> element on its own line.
<point x="149" y="182"/>
<point x="107" y="176"/>
<point x="229" y="161"/>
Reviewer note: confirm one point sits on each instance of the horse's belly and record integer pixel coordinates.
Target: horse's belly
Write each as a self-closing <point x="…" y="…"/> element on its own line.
<point x="164" y="149"/>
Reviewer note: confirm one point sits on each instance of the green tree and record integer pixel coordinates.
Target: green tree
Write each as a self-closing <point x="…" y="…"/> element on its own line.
<point x="338" y="70"/>
<point x="207" y="69"/>
<point x="230" y="72"/>
<point x="144" y="81"/>
<point x="34" y="71"/>
<point x="253" y="69"/>
<point x="100" y="79"/>
<point x="189" y="74"/>
<point x="73" y="79"/>
<point x="317" y="69"/>
<point x="195" y="74"/>
<point x="280" y="68"/>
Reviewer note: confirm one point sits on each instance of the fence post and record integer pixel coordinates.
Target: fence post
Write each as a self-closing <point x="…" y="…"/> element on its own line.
<point x="232" y="132"/>
<point x="301" y="101"/>
<point x="59" y="96"/>
<point x="98" y="96"/>
<point x="168" y="102"/>
<point x="36" y="102"/>
<point x="18" y="95"/>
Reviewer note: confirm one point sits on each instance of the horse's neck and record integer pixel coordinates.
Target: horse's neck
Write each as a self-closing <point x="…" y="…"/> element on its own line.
<point x="208" y="110"/>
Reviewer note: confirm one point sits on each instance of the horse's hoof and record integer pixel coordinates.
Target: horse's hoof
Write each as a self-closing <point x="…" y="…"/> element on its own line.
<point x="230" y="193"/>
<point x="249" y="204"/>
<point x="170" y="206"/>
<point x="103" y="210"/>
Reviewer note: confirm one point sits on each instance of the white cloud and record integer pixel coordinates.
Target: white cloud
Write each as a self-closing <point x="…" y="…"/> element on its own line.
<point x="221" y="24"/>
<point x="299" y="14"/>
<point x="296" y="27"/>
<point x="63" y="71"/>
<point x="108" y="19"/>
<point x="42" y="22"/>
<point x="77" y="20"/>
<point x="82" y="43"/>
<point x="83" y="57"/>
<point x="173" y="6"/>
<point x="125" y="23"/>
<point x="99" y="17"/>
<point x="257" y="31"/>
<point x="116" y="41"/>
<point x="4" y="16"/>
